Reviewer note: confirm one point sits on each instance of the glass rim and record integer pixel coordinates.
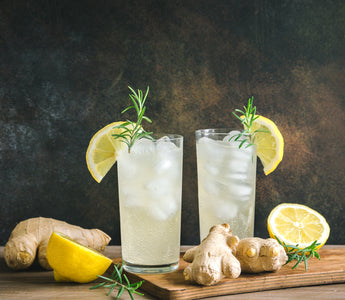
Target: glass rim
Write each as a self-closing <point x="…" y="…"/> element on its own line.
<point x="220" y="131"/>
<point x="171" y="136"/>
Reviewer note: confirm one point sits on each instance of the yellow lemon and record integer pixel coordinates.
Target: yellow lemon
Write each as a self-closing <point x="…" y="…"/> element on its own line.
<point x="74" y="262"/>
<point x="102" y="151"/>
<point x="297" y="224"/>
<point x="270" y="144"/>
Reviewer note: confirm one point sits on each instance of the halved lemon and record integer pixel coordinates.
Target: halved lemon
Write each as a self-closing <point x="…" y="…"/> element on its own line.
<point x="102" y="151"/>
<point x="74" y="262"/>
<point x="270" y="144"/>
<point x="297" y="224"/>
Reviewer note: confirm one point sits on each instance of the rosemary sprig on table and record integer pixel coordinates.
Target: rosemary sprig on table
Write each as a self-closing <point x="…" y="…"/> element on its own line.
<point x="300" y="255"/>
<point x="247" y="118"/>
<point x="133" y="131"/>
<point x="120" y="280"/>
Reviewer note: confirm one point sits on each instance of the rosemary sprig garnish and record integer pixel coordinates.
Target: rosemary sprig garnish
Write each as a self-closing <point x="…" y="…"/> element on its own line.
<point x="247" y="118"/>
<point x="133" y="131"/>
<point x="300" y="255"/>
<point x="120" y="280"/>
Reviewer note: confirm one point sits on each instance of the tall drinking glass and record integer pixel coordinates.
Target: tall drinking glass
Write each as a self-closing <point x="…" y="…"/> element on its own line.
<point x="226" y="182"/>
<point x="150" y="188"/>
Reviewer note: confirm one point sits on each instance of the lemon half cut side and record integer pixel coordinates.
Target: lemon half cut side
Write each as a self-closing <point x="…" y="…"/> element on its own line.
<point x="73" y="262"/>
<point x="297" y="224"/>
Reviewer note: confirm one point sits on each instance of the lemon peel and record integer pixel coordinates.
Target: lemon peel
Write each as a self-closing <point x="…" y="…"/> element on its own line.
<point x="73" y="262"/>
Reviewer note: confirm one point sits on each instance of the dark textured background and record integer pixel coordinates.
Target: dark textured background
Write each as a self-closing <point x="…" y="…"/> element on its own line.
<point x="66" y="65"/>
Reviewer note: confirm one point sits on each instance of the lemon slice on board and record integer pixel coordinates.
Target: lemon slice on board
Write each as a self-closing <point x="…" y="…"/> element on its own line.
<point x="102" y="150"/>
<point x="74" y="262"/>
<point x="297" y="224"/>
<point x="270" y="145"/>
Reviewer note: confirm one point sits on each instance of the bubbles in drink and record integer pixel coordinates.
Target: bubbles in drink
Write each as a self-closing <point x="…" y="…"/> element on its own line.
<point x="157" y="187"/>
<point x="150" y="201"/>
<point x="225" y="210"/>
<point x="226" y="183"/>
<point x="163" y="209"/>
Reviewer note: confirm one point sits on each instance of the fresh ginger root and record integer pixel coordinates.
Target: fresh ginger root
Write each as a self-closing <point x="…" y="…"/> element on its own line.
<point x="221" y="255"/>
<point x="32" y="235"/>
<point x="214" y="258"/>
<point x="260" y="255"/>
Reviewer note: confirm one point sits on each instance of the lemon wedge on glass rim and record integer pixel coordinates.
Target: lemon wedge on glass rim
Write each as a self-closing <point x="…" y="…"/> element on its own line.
<point x="270" y="144"/>
<point x="73" y="262"/>
<point x="103" y="149"/>
<point x="297" y="224"/>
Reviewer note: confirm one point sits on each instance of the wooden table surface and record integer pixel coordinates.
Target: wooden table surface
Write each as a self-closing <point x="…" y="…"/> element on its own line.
<point x="38" y="284"/>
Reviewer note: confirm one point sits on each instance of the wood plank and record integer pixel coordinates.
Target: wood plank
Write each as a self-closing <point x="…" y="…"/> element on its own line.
<point x="329" y="270"/>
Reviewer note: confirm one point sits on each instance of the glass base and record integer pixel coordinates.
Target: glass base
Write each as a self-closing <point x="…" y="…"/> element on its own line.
<point x="144" y="269"/>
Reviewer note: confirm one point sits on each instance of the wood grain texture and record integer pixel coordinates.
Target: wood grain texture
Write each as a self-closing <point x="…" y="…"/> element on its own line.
<point x="36" y="283"/>
<point x="329" y="270"/>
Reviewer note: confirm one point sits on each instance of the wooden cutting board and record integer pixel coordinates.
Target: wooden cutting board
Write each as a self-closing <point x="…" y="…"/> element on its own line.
<point x="330" y="269"/>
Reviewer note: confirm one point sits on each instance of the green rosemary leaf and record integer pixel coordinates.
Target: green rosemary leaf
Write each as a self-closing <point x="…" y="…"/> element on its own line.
<point x="241" y="144"/>
<point x="147" y="119"/>
<point x="98" y="285"/>
<point x="135" y="104"/>
<point x="141" y="115"/>
<point x="144" y="99"/>
<point x="294" y="252"/>
<point x="237" y="116"/>
<point x="120" y="292"/>
<point x="317" y="255"/>
<point x="119" y="272"/>
<point x="241" y="111"/>
<point x="112" y="288"/>
<point x="115" y="280"/>
<point x="129" y="107"/>
<point x="138" y="293"/>
<point x="247" y="118"/>
<point x="127" y="281"/>
<point x="132" y="130"/>
<point x="103" y="277"/>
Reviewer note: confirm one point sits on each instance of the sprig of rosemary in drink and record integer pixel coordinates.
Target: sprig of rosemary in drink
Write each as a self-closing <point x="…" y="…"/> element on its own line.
<point x="117" y="279"/>
<point x="300" y="255"/>
<point x="247" y="118"/>
<point x="133" y="131"/>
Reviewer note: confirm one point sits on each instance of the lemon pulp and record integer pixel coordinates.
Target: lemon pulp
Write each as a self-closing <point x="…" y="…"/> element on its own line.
<point x="297" y="224"/>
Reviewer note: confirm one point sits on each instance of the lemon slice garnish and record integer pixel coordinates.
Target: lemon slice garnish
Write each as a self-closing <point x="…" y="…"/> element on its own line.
<point x="270" y="144"/>
<point x="102" y="151"/>
<point x="297" y="224"/>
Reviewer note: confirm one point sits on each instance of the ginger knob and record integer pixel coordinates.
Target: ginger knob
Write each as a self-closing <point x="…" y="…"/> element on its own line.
<point x="260" y="255"/>
<point x="214" y="258"/>
<point x="251" y="252"/>
<point x="274" y="251"/>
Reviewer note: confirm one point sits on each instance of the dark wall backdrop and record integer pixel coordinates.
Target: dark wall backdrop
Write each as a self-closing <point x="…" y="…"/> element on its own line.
<point x="66" y="65"/>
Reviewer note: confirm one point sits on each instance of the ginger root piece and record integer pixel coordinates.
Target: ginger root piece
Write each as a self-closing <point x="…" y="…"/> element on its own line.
<point x="32" y="235"/>
<point x="214" y="258"/>
<point x="260" y="255"/>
